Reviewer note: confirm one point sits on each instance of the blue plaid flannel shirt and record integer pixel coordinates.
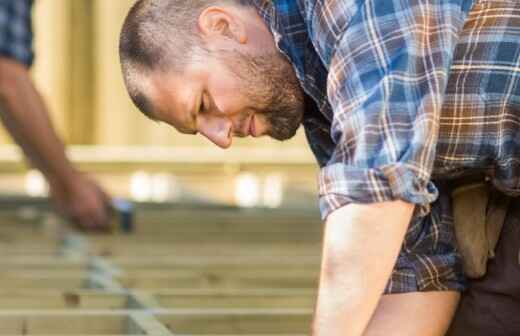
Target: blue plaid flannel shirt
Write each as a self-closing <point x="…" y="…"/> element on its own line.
<point x="402" y="93"/>
<point x="16" y="30"/>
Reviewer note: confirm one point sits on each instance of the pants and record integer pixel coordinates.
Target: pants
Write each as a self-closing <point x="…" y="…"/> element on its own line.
<point x="491" y="305"/>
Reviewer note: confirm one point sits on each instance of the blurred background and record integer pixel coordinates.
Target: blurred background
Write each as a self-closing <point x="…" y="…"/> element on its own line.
<point x="77" y="71"/>
<point x="220" y="242"/>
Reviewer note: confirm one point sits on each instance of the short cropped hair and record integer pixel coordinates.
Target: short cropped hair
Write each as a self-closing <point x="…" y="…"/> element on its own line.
<point x="160" y="34"/>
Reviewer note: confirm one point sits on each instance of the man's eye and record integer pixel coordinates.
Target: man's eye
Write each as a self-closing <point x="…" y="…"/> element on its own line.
<point x="204" y="103"/>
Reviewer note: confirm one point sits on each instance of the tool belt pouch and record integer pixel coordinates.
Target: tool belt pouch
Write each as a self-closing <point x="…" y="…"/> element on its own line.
<point x="479" y="212"/>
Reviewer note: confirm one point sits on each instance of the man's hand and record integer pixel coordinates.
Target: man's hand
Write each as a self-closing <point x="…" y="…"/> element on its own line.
<point x="82" y="201"/>
<point x="360" y="247"/>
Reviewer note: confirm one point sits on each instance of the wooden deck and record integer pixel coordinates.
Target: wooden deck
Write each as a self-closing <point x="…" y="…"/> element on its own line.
<point x="185" y="270"/>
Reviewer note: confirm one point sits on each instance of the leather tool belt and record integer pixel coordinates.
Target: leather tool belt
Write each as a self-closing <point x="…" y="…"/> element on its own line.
<point x="479" y="212"/>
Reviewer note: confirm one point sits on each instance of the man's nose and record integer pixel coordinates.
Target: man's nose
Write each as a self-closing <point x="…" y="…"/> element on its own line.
<point x="217" y="129"/>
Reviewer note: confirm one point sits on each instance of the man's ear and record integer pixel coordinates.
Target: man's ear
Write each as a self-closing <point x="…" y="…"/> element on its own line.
<point x="215" y="22"/>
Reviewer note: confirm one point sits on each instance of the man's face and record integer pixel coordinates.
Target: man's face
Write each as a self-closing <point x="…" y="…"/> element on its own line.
<point x="231" y="94"/>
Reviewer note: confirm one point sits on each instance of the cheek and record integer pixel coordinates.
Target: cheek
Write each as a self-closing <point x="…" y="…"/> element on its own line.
<point x="227" y="95"/>
<point x="261" y="124"/>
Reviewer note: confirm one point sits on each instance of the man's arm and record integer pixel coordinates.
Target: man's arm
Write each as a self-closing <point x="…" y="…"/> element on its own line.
<point x="24" y="114"/>
<point x="389" y="68"/>
<point x="360" y="248"/>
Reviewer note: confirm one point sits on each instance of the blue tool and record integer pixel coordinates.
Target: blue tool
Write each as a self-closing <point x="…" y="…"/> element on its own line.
<point x="124" y="214"/>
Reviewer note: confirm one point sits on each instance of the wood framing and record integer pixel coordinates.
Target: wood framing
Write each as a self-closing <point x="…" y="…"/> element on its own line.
<point x="242" y="276"/>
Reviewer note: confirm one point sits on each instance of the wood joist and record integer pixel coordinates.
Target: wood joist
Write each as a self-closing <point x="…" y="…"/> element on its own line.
<point x="196" y="272"/>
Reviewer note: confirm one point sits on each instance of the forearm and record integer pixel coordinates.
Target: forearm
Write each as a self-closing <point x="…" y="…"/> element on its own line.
<point x="360" y="247"/>
<point x="24" y="115"/>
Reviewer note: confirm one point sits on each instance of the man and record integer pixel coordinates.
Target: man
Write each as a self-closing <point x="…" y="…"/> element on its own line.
<point x="393" y="95"/>
<point x="24" y="114"/>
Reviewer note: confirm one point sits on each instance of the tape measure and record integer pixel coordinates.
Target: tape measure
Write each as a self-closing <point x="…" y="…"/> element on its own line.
<point x="123" y="215"/>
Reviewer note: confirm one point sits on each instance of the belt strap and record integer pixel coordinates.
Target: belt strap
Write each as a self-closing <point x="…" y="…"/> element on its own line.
<point x="495" y="217"/>
<point x="479" y="212"/>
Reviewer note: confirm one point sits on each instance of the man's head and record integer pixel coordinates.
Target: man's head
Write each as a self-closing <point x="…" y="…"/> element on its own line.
<point x="209" y="67"/>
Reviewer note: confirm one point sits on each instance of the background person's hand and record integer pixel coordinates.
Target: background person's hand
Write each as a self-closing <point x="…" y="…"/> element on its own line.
<point x="84" y="202"/>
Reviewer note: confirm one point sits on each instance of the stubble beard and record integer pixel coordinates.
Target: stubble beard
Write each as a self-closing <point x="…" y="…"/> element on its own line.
<point x="270" y="84"/>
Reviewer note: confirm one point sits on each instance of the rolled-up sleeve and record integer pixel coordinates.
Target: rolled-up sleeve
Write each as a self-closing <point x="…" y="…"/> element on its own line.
<point x="16" y="34"/>
<point x="386" y="81"/>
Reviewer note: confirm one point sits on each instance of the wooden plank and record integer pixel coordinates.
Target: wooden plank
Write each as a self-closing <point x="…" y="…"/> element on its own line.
<point x="147" y="324"/>
<point x="223" y="274"/>
<point x="65" y="322"/>
<point x="236" y="299"/>
<point x="227" y="221"/>
<point x="266" y="264"/>
<point x="207" y="280"/>
<point x="229" y="237"/>
<point x="103" y="266"/>
<point x="141" y="247"/>
<point x="143" y="300"/>
<point x="26" y="235"/>
<point x="51" y="69"/>
<point x="56" y="300"/>
<point x="57" y="280"/>
<point x="80" y="119"/>
<point x="29" y="249"/>
<point x="103" y="281"/>
<point x="240" y="322"/>
<point x="242" y="334"/>
<point x="36" y="263"/>
<point x="172" y="226"/>
<point x="74" y="246"/>
<point x="262" y="272"/>
<point x="32" y="281"/>
<point x="237" y="280"/>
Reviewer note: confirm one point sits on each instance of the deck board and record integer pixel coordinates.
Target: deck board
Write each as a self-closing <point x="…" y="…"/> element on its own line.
<point x="184" y="271"/>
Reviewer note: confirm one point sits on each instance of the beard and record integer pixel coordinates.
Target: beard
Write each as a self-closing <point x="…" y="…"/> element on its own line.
<point x="271" y="86"/>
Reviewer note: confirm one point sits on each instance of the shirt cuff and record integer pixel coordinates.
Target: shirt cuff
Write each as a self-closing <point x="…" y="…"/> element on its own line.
<point x="21" y="55"/>
<point x="341" y="184"/>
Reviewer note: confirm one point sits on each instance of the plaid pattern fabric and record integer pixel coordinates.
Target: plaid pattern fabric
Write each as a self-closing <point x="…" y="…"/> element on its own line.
<point x="16" y="30"/>
<point x="402" y="94"/>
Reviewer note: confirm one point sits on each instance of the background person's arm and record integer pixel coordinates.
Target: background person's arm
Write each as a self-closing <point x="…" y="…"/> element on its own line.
<point x="23" y="112"/>
<point x="360" y="247"/>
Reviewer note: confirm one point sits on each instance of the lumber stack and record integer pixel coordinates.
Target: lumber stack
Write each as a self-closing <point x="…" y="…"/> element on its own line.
<point x="190" y="269"/>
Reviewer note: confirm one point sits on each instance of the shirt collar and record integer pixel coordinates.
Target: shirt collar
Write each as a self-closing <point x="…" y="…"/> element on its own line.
<point x="266" y="10"/>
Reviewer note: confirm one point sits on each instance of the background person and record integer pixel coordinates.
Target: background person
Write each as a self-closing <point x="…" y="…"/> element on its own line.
<point x="24" y="114"/>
